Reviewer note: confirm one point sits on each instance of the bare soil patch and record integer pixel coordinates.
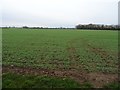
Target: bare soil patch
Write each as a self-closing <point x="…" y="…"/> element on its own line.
<point x="97" y="79"/>
<point x="39" y="71"/>
<point x="100" y="79"/>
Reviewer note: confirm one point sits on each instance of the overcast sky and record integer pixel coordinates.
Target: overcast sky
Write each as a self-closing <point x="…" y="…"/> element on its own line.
<point x="58" y="13"/>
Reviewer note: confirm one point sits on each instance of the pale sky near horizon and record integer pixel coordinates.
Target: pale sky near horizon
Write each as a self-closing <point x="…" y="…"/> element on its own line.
<point x="58" y="13"/>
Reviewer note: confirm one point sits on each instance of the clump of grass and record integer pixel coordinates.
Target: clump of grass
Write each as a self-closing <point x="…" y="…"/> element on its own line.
<point x="11" y="80"/>
<point x="115" y="85"/>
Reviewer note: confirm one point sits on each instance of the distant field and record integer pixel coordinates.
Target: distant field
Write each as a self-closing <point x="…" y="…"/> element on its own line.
<point x="84" y="56"/>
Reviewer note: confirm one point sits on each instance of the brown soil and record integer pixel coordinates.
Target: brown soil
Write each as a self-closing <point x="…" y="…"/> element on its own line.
<point x="97" y="79"/>
<point x="78" y="76"/>
<point x="100" y="79"/>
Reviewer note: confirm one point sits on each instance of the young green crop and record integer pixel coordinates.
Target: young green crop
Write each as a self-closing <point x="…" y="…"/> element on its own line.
<point x="93" y="51"/>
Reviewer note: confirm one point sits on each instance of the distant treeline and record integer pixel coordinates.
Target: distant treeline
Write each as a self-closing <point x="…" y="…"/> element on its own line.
<point x="46" y="27"/>
<point x="98" y="27"/>
<point x="26" y="27"/>
<point x="80" y="26"/>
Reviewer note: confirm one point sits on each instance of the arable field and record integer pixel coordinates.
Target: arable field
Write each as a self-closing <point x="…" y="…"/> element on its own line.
<point x="59" y="58"/>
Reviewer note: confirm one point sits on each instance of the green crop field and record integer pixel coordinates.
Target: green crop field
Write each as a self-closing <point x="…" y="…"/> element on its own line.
<point x="81" y="55"/>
